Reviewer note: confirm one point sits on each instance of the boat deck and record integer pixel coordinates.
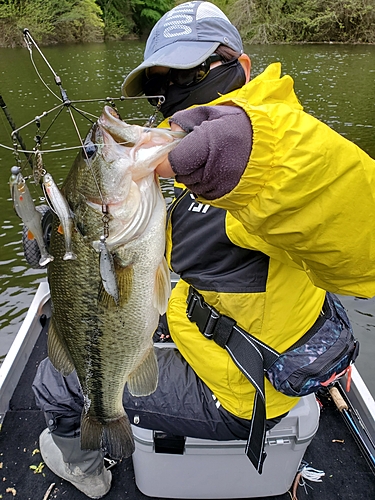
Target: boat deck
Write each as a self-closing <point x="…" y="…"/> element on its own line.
<point x="333" y="450"/>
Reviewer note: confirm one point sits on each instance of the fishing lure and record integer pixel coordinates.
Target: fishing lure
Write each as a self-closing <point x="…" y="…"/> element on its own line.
<point x="107" y="270"/>
<point x="61" y="208"/>
<point x="25" y="209"/>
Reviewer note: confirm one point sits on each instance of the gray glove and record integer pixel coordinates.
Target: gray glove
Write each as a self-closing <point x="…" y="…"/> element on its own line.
<point x="212" y="157"/>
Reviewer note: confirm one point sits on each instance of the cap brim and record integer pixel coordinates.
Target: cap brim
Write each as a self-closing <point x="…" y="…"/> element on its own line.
<point x="179" y="55"/>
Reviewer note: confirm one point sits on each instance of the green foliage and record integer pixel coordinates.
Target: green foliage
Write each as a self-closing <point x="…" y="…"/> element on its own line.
<point x="147" y="12"/>
<point x="125" y="17"/>
<point x="273" y="21"/>
<point x="82" y="23"/>
<point x="50" y="21"/>
<point x="259" y="21"/>
<point x="117" y="17"/>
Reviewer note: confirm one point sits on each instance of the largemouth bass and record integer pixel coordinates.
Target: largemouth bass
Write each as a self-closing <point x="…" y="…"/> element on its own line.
<point x="119" y="211"/>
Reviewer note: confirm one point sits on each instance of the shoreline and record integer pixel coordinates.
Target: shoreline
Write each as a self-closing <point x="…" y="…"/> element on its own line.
<point x="141" y="39"/>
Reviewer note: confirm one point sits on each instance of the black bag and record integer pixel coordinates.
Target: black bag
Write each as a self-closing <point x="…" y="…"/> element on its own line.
<point x="320" y="357"/>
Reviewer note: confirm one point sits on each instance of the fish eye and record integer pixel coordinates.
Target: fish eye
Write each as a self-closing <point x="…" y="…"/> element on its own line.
<point x="89" y="150"/>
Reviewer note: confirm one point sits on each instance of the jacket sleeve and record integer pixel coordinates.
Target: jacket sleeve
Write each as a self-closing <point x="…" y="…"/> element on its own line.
<point x="219" y="140"/>
<point x="310" y="193"/>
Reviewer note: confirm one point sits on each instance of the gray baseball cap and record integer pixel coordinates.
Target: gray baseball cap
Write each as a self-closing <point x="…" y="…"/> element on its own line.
<point x="183" y="38"/>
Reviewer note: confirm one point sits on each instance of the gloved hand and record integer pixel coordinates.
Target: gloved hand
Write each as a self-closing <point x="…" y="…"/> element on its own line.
<point x="212" y="157"/>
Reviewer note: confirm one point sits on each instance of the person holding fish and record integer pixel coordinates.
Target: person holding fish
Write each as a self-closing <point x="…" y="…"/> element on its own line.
<point x="264" y="200"/>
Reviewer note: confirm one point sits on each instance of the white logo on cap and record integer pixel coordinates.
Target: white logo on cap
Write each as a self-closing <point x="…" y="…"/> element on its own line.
<point x="178" y="20"/>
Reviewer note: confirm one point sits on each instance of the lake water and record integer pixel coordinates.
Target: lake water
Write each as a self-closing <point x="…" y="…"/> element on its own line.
<point x="334" y="82"/>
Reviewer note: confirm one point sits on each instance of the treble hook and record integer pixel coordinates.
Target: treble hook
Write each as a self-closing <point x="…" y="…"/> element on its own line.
<point x="152" y="119"/>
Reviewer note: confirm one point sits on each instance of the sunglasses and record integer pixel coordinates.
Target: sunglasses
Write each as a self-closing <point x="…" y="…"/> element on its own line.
<point x="157" y="84"/>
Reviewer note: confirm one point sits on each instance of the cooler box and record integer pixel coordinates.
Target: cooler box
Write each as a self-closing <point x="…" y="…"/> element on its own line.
<point x="177" y="467"/>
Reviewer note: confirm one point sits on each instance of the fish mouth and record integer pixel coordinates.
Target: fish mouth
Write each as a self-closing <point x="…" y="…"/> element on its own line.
<point x="111" y="123"/>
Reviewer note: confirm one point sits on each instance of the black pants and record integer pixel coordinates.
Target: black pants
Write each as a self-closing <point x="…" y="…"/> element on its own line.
<point x="181" y="405"/>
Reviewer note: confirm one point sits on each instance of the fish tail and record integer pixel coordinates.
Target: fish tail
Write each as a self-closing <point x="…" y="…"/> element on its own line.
<point x="114" y="436"/>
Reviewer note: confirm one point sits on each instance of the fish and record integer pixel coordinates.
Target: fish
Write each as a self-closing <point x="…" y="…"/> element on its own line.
<point x="106" y="334"/>
<point x="25" y="209"/>
<point x="60" y="206"/>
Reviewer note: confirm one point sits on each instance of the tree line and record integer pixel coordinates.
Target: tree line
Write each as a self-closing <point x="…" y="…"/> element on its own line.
<point x="78" y="21"/>
<point x="259" y="21"/>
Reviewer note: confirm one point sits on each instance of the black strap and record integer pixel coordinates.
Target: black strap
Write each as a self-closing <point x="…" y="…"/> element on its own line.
<point x="250" y="355"/>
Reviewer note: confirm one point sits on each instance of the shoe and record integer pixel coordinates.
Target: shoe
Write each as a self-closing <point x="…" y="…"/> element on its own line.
<point x="83" y="468"/>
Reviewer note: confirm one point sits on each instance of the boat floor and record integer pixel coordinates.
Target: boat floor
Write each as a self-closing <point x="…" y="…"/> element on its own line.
<point x="333" y="450"/>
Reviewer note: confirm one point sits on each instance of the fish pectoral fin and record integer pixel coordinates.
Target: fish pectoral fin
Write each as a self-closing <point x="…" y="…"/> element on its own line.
<point x="124" y="278"/>
<point x="114" y="436"/>
<point x="124" y="281"/>
<point x="105" y="299"/>
<point x="162" y="287"/>
<point x="144" y="379"/>
<point x="57" y="352"/>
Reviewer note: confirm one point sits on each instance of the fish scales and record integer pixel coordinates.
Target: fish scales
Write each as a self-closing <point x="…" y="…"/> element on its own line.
<point x="109" y="343"/>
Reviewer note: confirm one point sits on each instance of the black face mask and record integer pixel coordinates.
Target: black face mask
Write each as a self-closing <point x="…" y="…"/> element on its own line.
<point x="220" y="80"/>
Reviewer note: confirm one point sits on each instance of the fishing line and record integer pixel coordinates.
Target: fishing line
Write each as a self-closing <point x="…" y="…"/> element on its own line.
<point x="35" y="157"/>
<point x="52" y="122"/>
<point x="29" y="43"/>
<point x="13" y="127"/>
<point x="45" y="151"/>
<point x="37" y="118"/>
<point x="29" y="47"/>
<point x="105" y="210"/>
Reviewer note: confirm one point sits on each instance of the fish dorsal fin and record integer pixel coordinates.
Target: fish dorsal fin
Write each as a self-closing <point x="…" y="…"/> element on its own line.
<point x="144" y="380"/>
<point x="162" y="287"/>
<point x="57" y="352"/>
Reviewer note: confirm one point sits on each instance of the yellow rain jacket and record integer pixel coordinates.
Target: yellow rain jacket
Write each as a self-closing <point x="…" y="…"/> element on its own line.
<point x="290" y="204"/>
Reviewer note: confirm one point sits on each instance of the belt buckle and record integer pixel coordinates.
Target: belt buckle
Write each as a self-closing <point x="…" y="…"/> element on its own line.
<point x="191" y="301"/>
<point x="205" y="313"/>
<point x="211" y="323"/>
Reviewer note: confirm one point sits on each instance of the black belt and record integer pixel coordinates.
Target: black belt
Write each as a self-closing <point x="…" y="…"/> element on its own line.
<point x="250" y="355"/>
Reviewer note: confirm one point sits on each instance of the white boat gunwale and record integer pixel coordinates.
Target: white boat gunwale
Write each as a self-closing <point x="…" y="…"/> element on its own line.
<point x="22" y="346"/>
